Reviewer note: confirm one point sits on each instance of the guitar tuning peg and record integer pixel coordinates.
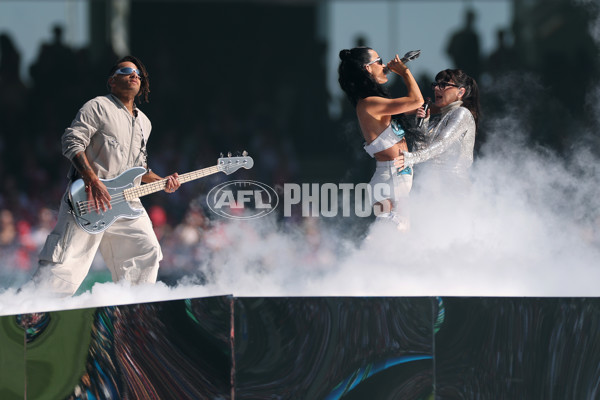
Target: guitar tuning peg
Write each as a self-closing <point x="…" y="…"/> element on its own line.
<point x="244" y="153"/>
<point x="221" y="154"/>
<point x="229" y="154"/>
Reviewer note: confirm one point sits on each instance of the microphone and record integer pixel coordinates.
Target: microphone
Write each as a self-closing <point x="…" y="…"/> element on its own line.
<point x="411" y="55"/>
<point x="425" y="108"/>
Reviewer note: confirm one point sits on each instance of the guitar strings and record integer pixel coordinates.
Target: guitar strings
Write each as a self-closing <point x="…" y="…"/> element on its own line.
<point x="142" y="190"/>
<point x="119" y="198"/>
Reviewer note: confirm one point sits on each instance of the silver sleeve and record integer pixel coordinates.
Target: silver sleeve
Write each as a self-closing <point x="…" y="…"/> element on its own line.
<point x="451" y="130"/>
<point x="425" y="125"/>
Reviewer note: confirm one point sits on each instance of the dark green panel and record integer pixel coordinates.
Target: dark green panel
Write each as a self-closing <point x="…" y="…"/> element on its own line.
<point x="12" y="359"/>
<point x="56" y="356"/>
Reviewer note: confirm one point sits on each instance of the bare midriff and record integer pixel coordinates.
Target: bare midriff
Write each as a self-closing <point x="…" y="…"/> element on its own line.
<point x="392" y="152"/>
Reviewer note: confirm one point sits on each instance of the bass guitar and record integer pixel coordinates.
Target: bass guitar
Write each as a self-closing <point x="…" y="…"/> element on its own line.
<point x="122" y="190"/>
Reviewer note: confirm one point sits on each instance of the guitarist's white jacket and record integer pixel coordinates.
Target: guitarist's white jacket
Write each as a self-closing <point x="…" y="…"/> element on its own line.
<point x="113" y="139"/>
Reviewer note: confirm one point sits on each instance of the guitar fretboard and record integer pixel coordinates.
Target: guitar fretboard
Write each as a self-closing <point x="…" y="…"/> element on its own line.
<point x="148" y="188"/>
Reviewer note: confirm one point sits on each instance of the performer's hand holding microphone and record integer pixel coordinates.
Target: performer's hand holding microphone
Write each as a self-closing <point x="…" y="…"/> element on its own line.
<point x="391" y="66"/>
<point x="423" y="112"/>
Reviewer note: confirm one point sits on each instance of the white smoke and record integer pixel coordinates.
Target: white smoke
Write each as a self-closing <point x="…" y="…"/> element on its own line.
<point x="530" y="227"/>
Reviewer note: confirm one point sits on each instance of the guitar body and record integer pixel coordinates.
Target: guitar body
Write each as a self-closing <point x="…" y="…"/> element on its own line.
<point x="122" y="191"/>
<point x="95" y="222"/>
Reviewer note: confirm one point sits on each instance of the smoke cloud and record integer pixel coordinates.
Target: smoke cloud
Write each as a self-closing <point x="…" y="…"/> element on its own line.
<point x="530" y="226"/>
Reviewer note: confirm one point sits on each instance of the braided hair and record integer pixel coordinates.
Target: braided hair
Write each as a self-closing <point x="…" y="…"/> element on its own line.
<point x="471" y="97"/>
<point x="354" y="78"/>
<point x="145" y="81"/>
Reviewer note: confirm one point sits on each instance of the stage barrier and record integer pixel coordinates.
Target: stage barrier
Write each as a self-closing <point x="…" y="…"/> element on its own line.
<point x="307" y="348"/>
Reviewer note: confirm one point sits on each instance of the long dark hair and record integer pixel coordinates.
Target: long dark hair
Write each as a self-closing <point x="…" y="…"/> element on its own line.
<point x="145" y="84"/>
<point x="471" y="97"/>
<point x="354" y="78"/>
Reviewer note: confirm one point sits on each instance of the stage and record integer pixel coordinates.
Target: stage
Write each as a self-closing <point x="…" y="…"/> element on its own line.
<point x="228" y="347"/>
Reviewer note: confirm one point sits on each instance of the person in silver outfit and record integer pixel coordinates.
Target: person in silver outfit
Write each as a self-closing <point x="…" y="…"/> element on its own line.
<point x="446" y="153"/>
<point x="362" y="74"/>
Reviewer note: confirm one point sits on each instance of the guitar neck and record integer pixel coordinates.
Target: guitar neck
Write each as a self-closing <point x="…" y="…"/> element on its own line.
<point x="157" y="186"/>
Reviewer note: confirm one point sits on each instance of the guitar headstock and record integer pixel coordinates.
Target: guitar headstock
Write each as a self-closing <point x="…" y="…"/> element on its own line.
<point x="231" y="164"/>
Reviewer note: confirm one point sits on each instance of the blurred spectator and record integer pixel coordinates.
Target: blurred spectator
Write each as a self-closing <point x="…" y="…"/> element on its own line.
<point x="13" y="100"/>
<point x="186" y="251"/>
<point x="8" y="229"/>
<point x="463" y="47"/>
<point x="15" y="248"/>
<point x="503" y="58"/>
<point x="54" y="66"/>
<point x="27" y="250"/>
<point x="191" y="230"/>
<point x="55" y="79"/>
<point x="46" y="219"/>
<point x="160" y="222"/>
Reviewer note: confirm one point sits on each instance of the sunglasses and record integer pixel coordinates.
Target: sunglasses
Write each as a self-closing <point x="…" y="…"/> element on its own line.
<point x="443" y="85"/>
<point x="377" y="60"/>
<point x="128" y="71"/>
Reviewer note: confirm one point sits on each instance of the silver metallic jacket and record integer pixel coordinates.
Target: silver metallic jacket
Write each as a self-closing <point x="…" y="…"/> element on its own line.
<point x="448" y="147"/>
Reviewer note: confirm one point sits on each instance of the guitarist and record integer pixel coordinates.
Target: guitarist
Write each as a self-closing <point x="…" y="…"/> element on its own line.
<point x="108" y="136"/>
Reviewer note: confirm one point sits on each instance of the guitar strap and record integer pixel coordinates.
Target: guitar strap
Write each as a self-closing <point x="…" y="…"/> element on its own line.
<point x="143" y="153"/>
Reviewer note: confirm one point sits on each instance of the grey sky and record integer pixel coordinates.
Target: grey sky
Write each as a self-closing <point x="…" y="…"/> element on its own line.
<point x="29" y="23"/>
<point x="392" y="27"/>
<point x="389" y="26"/>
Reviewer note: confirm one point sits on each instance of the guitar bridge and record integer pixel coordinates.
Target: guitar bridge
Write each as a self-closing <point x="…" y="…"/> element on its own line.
<point x="81" y="209"/>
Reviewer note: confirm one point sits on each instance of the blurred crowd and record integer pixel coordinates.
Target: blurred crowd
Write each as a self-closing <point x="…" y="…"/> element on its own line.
<point x="33" y="172"/>
<point x="276" y="119"/>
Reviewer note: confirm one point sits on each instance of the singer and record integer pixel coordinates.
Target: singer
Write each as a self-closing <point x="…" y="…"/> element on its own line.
<point x="362" y="74"/>
<point x="447" y="153"/>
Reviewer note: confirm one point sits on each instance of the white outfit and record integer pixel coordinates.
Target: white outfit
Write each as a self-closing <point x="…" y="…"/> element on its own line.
<point x="388" y="181"/>
<point x="113" y="141"/>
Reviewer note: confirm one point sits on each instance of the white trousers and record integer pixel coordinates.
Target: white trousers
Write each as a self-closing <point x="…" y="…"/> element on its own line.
<point x="388" y="184"/>
<point x="129" y="247"/>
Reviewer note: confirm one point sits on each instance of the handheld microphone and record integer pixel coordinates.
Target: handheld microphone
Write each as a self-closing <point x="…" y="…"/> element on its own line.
<point x="425" y="108"/>
<point x="411" y="55"/>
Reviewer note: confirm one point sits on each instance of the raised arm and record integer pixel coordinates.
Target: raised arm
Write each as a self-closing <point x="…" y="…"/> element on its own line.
<point x="380" y="106"/>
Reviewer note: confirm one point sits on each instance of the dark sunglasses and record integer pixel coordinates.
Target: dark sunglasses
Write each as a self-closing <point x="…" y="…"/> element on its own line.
<point x="377" y="60"/>
<point x="443" y="85"/>
<point x="128" y="71"/>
